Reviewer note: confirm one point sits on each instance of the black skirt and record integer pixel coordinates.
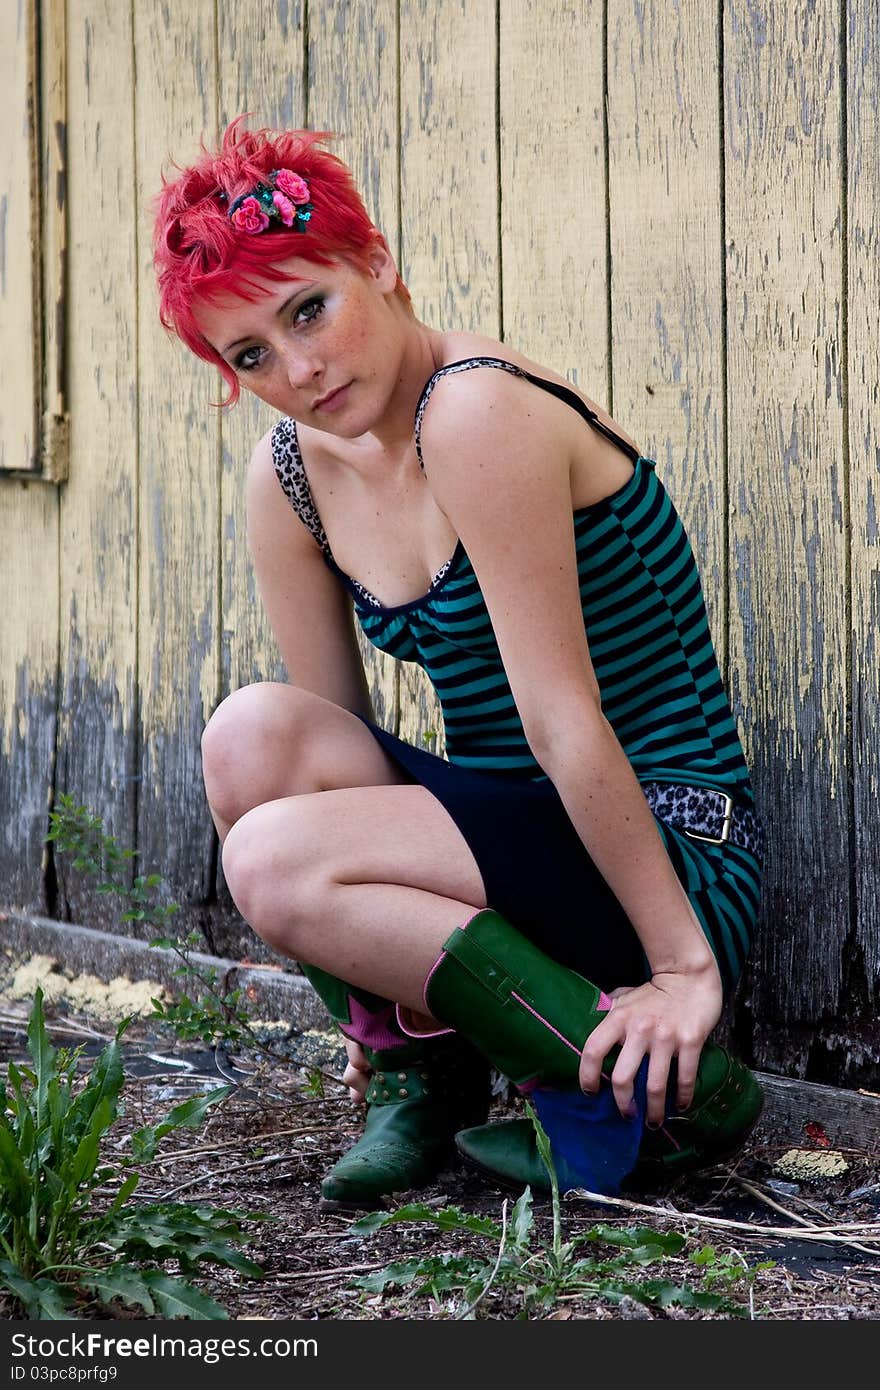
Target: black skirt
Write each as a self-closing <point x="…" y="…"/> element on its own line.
<point x="535" y="869"/>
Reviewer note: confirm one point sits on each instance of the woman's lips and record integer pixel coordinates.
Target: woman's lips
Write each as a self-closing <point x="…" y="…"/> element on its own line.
<point x="334" y="399"/>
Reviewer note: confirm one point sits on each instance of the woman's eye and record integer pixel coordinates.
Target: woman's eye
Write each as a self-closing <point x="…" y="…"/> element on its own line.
<point x="309" y="311"/>
<point x="249" y="359"/>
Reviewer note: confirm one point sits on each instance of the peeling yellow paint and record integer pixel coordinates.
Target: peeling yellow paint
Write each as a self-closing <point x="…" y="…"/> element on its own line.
<point x="19" y="379"/>
<point x="811" y="1165"/>
<point x="29" y="625"/>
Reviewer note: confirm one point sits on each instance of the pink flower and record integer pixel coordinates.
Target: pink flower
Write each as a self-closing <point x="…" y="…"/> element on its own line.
<point x="250" y="217"/>
<point x="296" y="188"/>
<point x="286" y="210"/>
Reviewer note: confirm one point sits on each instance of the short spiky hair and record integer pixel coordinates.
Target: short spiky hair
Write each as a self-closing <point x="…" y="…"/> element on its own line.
<point x="199" y="254"/>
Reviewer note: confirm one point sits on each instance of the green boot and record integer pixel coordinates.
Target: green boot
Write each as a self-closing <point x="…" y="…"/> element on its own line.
<point x="531" y="1017"/>
<point x="420" y="1093"/>
<point x="727" y="1102"/>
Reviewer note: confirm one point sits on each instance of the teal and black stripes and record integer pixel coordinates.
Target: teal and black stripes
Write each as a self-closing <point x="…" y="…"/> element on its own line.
<point x="650" y="644"/>
<point x="661" y="689"/>
<point x="649" y="639"/>
<point x="723" y="884"/>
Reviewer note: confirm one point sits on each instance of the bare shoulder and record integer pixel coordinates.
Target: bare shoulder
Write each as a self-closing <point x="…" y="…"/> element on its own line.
<point x="488" y="428"/>
<point x="261" y="465"/>
<point x="458" y="347"/>
<point x="485" y="422"/>
<point x="490" y="434"/>
<point x="481" y="406"/>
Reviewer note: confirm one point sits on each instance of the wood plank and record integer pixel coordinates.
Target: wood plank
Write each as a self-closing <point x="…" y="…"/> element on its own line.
<point x="180" y="481"/>
<point x="863" y="241"/>
<point x="19" y="240"/>
<point x="788" y="555"/>
<point x="28" y="685"/>
<point x="261" y="55"/>
<point x="449" y="173"/>
<point x="98" y="556"/>
<point x="28" y="511"/>
<point x="553" y="222"/>
<point x="352" y="91"/>
<point x="54" y="425"/>
<point x="261" y="49"/>
<point x="849" y="1117"/>
<point x="449" y="197"/>
<point x="666" y="310"/>
<point x="353" y="76"/>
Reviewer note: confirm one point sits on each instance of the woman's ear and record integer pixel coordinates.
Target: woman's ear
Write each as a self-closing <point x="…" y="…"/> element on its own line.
<point x="382" y="265"/>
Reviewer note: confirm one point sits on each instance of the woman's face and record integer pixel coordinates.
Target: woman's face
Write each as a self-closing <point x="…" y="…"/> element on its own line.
<point x="323" y="345"/>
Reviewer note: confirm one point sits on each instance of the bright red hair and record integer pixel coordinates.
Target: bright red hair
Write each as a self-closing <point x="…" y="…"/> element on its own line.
<point x="199" y="254"/>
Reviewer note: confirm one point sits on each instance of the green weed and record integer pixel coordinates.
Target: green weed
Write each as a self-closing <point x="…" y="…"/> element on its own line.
<point x="313" y="1087"/>
<point x="207" y="1013"/>
<point x="518" y="1267"/>
<point x="57" y="1254"/>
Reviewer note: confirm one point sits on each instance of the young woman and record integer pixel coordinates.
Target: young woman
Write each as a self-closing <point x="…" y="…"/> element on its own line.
<point x="580" y="876"/>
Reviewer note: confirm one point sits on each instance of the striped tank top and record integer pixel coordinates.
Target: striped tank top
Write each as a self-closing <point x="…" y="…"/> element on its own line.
<point x="644" y="617"/>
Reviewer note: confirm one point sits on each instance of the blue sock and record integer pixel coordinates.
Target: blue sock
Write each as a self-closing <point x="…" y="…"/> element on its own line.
<point x="592" y="1145"/>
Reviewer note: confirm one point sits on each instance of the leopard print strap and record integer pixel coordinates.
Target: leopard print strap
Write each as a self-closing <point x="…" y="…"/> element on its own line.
<point x="699" y="812"/>
<point x="291" y="475"/>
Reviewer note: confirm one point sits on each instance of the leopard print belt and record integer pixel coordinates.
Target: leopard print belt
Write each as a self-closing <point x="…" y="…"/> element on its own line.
<point x="706" y="814"/>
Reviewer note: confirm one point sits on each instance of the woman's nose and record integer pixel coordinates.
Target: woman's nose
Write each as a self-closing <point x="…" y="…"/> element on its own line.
<point x="303" y="369"/>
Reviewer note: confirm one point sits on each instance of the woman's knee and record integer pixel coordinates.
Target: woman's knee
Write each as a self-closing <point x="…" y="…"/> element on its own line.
<point x="247" y="747"/>
<point x="273" y="873"/>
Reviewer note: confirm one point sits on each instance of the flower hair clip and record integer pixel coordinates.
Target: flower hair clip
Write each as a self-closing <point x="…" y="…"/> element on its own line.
<point x="282" y="198"/>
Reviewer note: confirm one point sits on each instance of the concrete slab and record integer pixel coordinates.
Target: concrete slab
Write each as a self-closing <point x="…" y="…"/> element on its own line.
<point x="274" y="995"/>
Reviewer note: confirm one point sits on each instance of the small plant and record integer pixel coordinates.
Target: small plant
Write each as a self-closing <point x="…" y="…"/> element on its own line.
<point x="313" y="1086"/>
<point x="723" y="1270"/>
<point x="213" y="1016"/>
<point x="57" y="1254"/>
<point x="537" y="1275"/>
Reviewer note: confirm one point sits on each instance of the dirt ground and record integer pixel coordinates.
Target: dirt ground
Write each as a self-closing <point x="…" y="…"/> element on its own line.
<point x="266" y="1148"/>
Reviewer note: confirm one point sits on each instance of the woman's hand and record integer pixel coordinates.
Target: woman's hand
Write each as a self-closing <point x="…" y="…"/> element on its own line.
<point x="358" y="1072"/>
<point x="669" y="1017"/>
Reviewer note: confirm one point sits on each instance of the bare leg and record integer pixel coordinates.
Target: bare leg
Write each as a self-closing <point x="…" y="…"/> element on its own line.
<point x="330" y="853"/>
<point x="271" y="740"/>
<point x="337" y="859"/>
<point x="366" y="883"/>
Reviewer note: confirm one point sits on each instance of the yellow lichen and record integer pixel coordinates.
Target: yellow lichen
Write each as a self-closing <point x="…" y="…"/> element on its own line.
<point x="109" y="1000"/>
<point x="811" y="1165"/>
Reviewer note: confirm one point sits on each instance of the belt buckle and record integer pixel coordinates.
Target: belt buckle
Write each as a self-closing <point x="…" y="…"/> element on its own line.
<point x="726" y="821"/>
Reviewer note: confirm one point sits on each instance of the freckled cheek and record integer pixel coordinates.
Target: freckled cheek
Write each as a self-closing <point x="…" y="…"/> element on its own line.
<point x="358" y="343"/>
<point x="361" y="332"/>
<point x="272" y="390"/>
<point x="352" y="338"/>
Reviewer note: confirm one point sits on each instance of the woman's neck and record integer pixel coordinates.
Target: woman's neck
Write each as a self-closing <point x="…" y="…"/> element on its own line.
<point x="421" y="355"/>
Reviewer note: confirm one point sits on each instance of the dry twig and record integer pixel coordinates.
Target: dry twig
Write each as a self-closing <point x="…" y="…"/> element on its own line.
<point x="831" y="1234"/>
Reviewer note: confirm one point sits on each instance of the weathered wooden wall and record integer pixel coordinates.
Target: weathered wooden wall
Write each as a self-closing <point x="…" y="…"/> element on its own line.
<point x="674" y="204"/>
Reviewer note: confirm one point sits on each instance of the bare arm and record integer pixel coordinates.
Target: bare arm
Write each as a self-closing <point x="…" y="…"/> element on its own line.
<point x="309" y="611"/>
<point x="503" y="443"/>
